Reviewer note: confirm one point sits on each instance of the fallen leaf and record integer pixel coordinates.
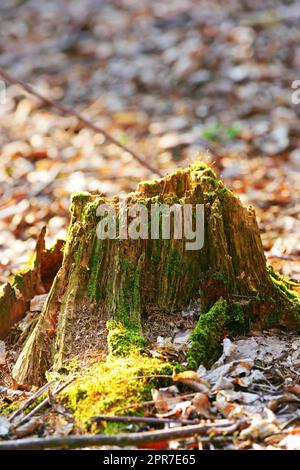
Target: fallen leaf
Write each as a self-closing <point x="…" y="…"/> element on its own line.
<point x="36" y="304"/>
<point x="192" y="379"/>
<point x="28" y="428"/>
<point x="295" y="389"/>
<point x="2" y="353"/>
<point x="160" y="401"/>
<point x="4" y="426"/>
<point x="202" y="405"/>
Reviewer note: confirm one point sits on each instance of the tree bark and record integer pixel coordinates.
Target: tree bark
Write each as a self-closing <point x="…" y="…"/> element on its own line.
<point x="126" y="280"/>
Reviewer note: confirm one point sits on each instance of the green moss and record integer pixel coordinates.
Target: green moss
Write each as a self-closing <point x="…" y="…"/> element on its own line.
<point x="282" y="285"/>
<point x="81" y="197"/>
<point x="220" y="278"/>
<point x="7" y="408"/>
<point x="84" y="205"/>
<point x="199" y="166"/>
<point x="90" y="210"/>
<point x="122" y="340"/>
<point x="18" y="281"/>
<point x="211" y="328"/>
<point x="94" y="267"/>
<point x="236" y="322"/>
<point x="107" y="386"/>
<point x="128" y="309"/>
<point x="207" y="335"/>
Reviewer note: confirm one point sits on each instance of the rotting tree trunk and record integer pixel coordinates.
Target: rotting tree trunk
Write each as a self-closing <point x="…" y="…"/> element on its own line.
<point x="125" y="280"/>
<point x="36" y="279"/>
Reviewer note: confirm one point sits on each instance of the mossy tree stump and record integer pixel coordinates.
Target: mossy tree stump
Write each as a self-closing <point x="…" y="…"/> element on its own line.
<point x="124" y="280"/>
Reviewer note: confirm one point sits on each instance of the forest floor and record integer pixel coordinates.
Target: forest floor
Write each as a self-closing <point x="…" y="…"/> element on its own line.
<point x="170" y="80"/>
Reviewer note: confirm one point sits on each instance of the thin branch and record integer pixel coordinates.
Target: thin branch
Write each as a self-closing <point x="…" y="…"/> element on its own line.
<point x="154" y="402"/>
<point x="132" y="439"/>
<point x="143" y="419"/>
<point x="31" y="400"/>
<point x="85" y="121"/>
<point x="45" y="402"/>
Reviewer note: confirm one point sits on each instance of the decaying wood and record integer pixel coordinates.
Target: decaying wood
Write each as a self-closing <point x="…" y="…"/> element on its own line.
<point x="36" y="279"/>
<point x="127" y="280"/>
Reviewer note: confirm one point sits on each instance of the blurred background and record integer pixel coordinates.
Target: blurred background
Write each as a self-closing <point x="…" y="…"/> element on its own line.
<point x="170" y="79"/>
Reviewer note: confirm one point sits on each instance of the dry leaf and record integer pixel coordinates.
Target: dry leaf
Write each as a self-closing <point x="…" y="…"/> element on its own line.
<point x="192" y="379"/>
<point x="28" y="428"/>
<point x="202" y="405"/>
<point x="2" y="353"/>
<point x="4" y="426"/>
<point x="223" y="405"/>
<point x="160" y="401"/>
<point x="295" y="389"/>
<point x="36" y="304"/>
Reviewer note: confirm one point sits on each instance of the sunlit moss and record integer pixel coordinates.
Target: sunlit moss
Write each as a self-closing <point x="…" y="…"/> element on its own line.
<point x="121" y="339"/>
<point x="107" y="387"/>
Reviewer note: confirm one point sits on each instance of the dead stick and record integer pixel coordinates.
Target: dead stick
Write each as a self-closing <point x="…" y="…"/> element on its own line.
<point x="85" y="121"/>
<point x="133" y="439"/>
<point x="154" y="402"/>
<point x="142" y="419"/>
<point x="31" y="400"/>
<point x="45" y="402"/>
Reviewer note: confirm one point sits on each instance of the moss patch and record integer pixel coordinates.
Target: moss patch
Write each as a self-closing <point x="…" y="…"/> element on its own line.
<point x="7" y="408"/>
<point x="224" y="317"/>
<point x="122" y="340"/>
<point x="107" y="386"/>
<point x="207" y="335"/>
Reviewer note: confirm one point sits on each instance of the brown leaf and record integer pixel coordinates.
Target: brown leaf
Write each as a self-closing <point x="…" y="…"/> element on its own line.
<point x="295" y="389"/>
<point x="28" y="428"/>
<point x="202" y="405"/>
<point x="192" y="379"/>
<point x="160" y="401"/>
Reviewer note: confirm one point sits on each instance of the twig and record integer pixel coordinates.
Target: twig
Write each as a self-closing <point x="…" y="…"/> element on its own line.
<point x="31" y="400"/>
<point x="285" y="257"/>
<point x="150" y="376"/>
<point x="45" y="402"/>
<point x="142" y="419"/>
<point x="291" y="421"/>
<point x="153" y="402"/>
<point x="10" y="391"/>
<point x="85" y="121"/>
<point x="133" y="439"/>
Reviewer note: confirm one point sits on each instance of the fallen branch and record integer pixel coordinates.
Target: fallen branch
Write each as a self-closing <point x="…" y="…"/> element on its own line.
<point x="132" y="439"/>
<point x="30" y="400"/>
<point x="142" y="419"/>
<point x="45" y="402"/>
<point x="85" y="121"/>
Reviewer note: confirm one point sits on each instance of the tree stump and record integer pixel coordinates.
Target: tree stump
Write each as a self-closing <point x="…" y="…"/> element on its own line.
<point x="124" y="280"/>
